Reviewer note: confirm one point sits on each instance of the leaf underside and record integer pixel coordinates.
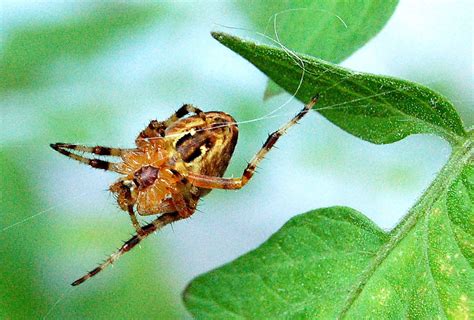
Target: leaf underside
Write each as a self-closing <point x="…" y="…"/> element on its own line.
<point x="374" y="108"/>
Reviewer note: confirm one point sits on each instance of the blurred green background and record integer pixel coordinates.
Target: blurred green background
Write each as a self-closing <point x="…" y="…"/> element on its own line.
<point x="96" y="74"/>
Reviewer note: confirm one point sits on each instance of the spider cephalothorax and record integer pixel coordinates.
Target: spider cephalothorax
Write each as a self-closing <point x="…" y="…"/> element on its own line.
<point x="175" y="163"/>
<point x="147" y="177"/>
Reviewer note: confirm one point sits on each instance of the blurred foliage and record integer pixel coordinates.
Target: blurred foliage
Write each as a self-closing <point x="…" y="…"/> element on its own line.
<point x="30" y="255"/>
<point x="30" y="50"/>
<point x="17" y="278"/>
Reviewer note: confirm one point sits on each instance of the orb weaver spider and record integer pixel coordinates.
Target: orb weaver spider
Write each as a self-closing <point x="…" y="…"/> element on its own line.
<point x="174" y="164"/>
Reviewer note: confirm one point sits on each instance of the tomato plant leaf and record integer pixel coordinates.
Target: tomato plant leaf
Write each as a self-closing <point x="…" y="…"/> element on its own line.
<point x="375" y="108"/>
<point x="315" y="27"/>
<point x="334" y="262"/>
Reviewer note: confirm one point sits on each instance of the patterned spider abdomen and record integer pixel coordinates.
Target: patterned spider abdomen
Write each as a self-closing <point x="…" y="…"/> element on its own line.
<point x="205" y="144"/>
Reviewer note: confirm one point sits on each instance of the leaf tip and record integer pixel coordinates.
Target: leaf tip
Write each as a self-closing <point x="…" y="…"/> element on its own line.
<point x="227" y="39"/>
<point x="220" y="36"/>
<point x="216" y="35"/>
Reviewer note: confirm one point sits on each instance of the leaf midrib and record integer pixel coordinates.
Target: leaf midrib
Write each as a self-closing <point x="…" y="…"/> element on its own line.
<point x="451" y="136"/>
<point x="461" y="155"/>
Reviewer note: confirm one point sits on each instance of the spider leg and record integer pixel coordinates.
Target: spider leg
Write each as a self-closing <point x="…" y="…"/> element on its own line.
<point x="184" y="202"/>
<point x="183" y="210"/>
<point x="133" y="218"/>
<point x="148" y="229"/>
<point x="100" y="150"/>
<point x="95" y="163"/>
<point x="127" y="201"/>
<point x="183" y="111"/>
<point x="157" y="128"/>
<point x="209" y="182"/>
<point x="127" y="197"/>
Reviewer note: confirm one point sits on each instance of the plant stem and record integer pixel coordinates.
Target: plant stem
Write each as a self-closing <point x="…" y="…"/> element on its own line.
<point x="462" y="154"/>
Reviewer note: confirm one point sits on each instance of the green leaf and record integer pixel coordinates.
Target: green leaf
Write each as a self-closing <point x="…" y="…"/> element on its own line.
<point x="327" y="29"/>
<point x="374" y="108"/>
<point x="334" y="263"/>
<point x="29" y="49"/>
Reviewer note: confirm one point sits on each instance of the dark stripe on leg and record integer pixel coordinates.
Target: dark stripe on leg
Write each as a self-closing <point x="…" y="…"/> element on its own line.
<point x="188" y="108"/>
<point x="103" y="151"/>
<point x="181" y="112"/>
<point x="271" y="140"/>
<point x="95" y="163"/>
<point x="100" y="164"/>
<point x="210" y="182"/>
<point x="99" y="150"/>
<point x="58" y="147"/>
<point x="300" y="115"/>
<point x="158" y="223"/>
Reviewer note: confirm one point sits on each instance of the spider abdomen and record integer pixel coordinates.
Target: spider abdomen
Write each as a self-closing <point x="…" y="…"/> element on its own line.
<point x="205" y="145"/>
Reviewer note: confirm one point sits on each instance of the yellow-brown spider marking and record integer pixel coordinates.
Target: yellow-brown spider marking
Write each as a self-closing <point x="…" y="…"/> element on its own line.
<point x="175" y="163"/>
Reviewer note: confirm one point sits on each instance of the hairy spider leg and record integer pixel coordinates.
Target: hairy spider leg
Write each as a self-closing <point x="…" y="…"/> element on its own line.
<point x="99" y="150"/>
<point x="153" y="130"/>
<point x="181" y="206"/>
<point x="176" y="203"/>
<point x="166" y="206"/>
<point x="94" y="162"/>
<point x="157" y="128"/>
<point x="182" y="211"/>
<point x="184" y="111"/>
<point x="134" y="219"/>
<point x="209" y="182"/>
<point x="148" y="229"/>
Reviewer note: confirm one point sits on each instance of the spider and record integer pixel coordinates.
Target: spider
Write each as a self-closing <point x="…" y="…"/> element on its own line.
<point x="174" y="164"/>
